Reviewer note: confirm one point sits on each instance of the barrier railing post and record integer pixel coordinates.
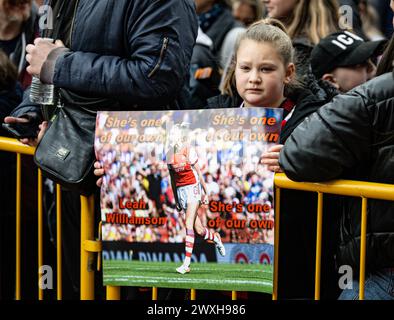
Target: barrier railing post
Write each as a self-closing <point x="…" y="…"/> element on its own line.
<point x="87" y="258"/>
<point x="40" y="236"/>
<point x="318" y="244"/>
<point x="154" y="294"/>
<point x="276" y="244"/>
<point x="363" y="246"/>
<point x="18" y="229"/>
<point x="59" y="242"/>
<point x="113" y="293"/>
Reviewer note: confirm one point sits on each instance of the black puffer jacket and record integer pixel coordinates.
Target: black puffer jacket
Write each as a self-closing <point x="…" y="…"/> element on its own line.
<point x="352" y="138"/>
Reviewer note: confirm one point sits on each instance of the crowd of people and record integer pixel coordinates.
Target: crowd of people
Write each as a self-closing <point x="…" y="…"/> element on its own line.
<point x="323" y="62"/>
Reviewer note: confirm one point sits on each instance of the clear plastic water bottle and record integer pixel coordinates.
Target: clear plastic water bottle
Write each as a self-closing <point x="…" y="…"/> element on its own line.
<point x="43" y="94"/>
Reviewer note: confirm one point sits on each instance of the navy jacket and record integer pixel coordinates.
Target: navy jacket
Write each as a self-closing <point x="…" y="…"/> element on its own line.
<point x="136" y="52"/>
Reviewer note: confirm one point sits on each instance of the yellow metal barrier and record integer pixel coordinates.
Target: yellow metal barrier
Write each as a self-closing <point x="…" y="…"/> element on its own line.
<point x="89" y="245"/>
<point x="59" y="241"/>
<point x="40" y="236"/>
<point x="276" y="245"/>
<point x="193" y="294"/>
<point x="18" y="227"/>
<point x="318" y="244"/>
<point x="87" y="270"/>
<point x="13" y="145"/>
<point x="339" y="187"/>
<point x="113" y="293"/>
<point x="363" y="246"/>
<point x="154" y="293"/>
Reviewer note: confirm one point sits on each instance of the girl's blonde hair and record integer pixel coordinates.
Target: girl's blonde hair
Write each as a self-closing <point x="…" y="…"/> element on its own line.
<point x="268" y="30"/>
<point x="314" y="19"/>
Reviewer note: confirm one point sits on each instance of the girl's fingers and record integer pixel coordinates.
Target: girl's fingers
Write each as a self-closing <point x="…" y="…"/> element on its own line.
<point x="98" y="172"/>
<point x="99" y="182"/>
<point x="272" y="162"/>
<point x="276" y="148"/>
<point x="275" y="169"/>
<point x="270" y="155"/>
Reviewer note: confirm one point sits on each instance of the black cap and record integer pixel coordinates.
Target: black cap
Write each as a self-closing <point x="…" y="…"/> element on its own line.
<point x="342" y="49"/>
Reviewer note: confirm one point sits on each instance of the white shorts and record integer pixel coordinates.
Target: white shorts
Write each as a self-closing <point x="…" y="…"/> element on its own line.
<point x="189" y="194"/>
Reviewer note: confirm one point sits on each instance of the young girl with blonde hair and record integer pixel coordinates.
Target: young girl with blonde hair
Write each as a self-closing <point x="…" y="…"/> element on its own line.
<point x="263" y="74"/>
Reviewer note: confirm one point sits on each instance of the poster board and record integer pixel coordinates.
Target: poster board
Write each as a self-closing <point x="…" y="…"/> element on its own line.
<point x="143" y="221"/>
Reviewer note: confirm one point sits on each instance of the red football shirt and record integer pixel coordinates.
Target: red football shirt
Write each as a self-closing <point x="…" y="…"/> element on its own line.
<point x="182" y="164"/>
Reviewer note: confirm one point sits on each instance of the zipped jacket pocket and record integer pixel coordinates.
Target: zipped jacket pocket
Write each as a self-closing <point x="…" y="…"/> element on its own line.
<point x="161" y="57"/>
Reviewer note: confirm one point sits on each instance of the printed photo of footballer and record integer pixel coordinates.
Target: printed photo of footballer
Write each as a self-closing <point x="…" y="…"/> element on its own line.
<point x="187" y="183"/>
<point x="185" y="199"/>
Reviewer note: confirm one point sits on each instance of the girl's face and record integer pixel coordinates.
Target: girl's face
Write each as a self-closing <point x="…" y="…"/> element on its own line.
<point x="279" y="8"/>
<point x="260" y="74"/>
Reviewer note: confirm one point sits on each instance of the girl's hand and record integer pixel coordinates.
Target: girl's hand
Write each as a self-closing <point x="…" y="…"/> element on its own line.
<point x="271" y="158"/>
<point x="99" y="172"/>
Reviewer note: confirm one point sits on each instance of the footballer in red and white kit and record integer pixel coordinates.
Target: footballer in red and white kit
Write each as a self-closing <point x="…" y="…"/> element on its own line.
<point x="185" y="176"/>
<point x="186" y="181"/>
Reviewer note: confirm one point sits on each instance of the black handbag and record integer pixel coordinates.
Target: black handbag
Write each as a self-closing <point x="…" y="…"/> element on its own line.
<point x="65" y="154"/>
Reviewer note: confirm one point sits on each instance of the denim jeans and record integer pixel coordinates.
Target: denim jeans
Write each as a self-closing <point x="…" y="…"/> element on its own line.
<point x="378" y="286"/>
